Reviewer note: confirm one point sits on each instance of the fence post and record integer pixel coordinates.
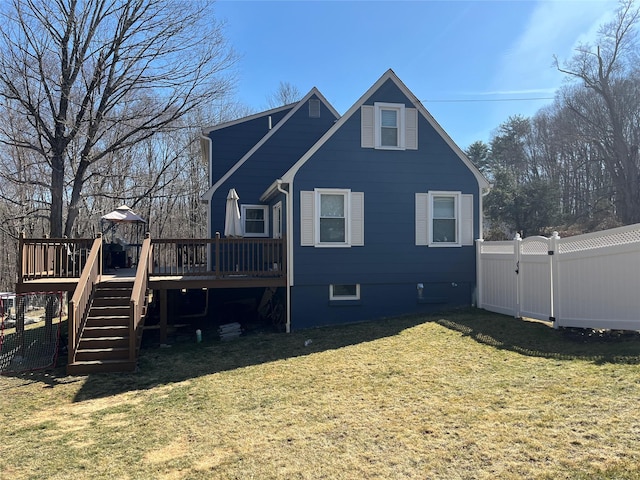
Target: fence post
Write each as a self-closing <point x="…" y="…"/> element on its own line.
<point x="517" y="247"/>
<point x="553" y="267"/>
<point x="479" y="288"/>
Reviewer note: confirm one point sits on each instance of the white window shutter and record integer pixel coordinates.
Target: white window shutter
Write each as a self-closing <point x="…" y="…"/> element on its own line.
<point x="367" y="113"/>
<point x="357" y="219"/>
<point x="422" y="219"/>
<point x="307" y="219"/>
<point x="466" y="219"/>
<point x="411" y="128"/>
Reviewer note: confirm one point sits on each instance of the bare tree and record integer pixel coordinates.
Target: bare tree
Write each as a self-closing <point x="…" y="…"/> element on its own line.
<point x="284" y="95"/>
<point x="92" y="78"/>
<point x="607" y="70"/>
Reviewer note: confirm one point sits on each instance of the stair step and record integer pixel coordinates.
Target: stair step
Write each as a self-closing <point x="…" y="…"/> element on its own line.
<point x="100" y="366"/>
<point x="107" y="320"/>
<point x="108" y="311"/>
<point x="112" y="292"/>
<point x="115" y="285"/>
<point x="123" y="299"/>
<point x="102" y="343"/>
<point x="91" y="354"/>
<point x="93" y="331"/>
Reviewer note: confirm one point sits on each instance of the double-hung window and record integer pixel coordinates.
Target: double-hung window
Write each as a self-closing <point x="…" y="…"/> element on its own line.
<point x="255" y="220"/>
<point x="332" y="216"/>
<point x="389" y="126"/>
<point x="444" y="219"/>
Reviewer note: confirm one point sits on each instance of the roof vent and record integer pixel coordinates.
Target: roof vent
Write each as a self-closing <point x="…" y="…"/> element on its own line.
<point x="314" y="108"/>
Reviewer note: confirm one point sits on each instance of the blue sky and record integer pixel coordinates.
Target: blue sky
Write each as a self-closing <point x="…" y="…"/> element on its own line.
<point x="467" y="61"/>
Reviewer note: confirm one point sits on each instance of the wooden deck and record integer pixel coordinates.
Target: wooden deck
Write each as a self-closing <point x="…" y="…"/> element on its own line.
<point x="57" y="264"/>
<point x="82" y="267"/>
<point x="156" y="281"/>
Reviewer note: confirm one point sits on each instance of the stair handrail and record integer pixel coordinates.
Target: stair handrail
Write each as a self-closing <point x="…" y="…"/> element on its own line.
<point x="81" y="300"/>
<point x="138" y="294"/>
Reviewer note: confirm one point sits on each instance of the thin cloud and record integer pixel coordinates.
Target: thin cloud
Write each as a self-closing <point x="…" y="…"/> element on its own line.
<point x="554" y="28"/>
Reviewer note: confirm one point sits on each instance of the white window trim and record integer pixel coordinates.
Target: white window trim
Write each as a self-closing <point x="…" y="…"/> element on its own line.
<point x="277" y="220"/>
<point x="339" y="298"/>
<point x="346" y="193"/>
<point x="457" y="197"/>
<point x="265" y="209"/>
<point x="400" y="109"/>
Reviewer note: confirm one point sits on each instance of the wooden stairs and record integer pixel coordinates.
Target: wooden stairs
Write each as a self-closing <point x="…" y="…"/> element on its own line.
<point x="104" y="344"/>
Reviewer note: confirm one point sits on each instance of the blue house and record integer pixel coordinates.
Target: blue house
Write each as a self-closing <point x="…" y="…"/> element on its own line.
<point x="378" y="208"/>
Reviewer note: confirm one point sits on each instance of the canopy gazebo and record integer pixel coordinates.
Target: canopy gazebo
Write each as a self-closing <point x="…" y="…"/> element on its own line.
<point x="122" y="218"/>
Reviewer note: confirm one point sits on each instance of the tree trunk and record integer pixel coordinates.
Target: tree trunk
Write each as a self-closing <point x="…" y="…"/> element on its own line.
<point x="57" y="190"/>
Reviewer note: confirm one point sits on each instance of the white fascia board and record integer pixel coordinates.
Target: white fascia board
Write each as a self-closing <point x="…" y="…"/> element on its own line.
<point x="291" y="173"/>
<point x="207" y="130"/>
<point x="482" y="181"/>
<point x="389" y="74"/>
<point x="205" y="150"/>
<point x="270" y="133"/>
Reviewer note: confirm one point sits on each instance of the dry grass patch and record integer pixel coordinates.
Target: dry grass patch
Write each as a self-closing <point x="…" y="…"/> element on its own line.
<point x="467" y="395"/>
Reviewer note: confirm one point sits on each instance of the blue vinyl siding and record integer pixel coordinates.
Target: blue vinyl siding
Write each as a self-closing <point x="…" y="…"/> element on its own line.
<point x="311" y="306"/>
<point x="271" y="160"/>
<point x="389" y="265"/>
<point x="230" y="144"/>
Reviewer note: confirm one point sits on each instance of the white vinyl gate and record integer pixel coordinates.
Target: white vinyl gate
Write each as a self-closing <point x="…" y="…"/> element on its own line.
<point x="586" y="281"/>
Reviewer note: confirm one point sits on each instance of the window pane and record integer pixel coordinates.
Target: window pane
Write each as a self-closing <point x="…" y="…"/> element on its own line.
<point x="444" y="230"/>
<point x="345" y="290"/>
<point x="389" y="137"/>
<point x="332" y="230"/>
<point x="254" y="214"/>
<point x="254" y="226"/>
<point x="331" y="205"/>
<point x="444" y="207"/>
<point x="389" y="118"/>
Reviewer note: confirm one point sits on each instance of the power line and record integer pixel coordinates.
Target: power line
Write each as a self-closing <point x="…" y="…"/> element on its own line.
<point x="487" y="100"/>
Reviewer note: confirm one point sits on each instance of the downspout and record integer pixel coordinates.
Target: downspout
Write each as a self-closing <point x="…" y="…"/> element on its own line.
<point x="289" y="253"/>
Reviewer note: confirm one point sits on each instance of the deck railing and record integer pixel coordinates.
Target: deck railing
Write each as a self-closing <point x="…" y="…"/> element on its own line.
<point x="137" y="302"/>
<point x="52" y="257"/>
<point x="78" y="306"/>
<point x="44" y="258"/>
<point x="222" y="257"/>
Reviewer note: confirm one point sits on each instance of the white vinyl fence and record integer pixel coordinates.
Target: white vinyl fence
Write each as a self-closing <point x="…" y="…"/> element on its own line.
<point x="586" y="281"/>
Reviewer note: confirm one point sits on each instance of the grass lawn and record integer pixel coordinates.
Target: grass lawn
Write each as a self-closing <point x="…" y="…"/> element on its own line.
<point x="464" y="395"/>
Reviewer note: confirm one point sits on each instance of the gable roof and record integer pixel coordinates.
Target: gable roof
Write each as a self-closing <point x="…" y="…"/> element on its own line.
<point x="388" y="75"/>
<point x="230" y="123"/>
<point x="293" y="109"/>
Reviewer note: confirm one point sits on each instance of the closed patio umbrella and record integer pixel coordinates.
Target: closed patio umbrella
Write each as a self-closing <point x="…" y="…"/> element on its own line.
<point x="232" y="225"/>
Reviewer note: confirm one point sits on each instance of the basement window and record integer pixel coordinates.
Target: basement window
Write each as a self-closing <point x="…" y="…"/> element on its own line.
<point x="344" y="291"/>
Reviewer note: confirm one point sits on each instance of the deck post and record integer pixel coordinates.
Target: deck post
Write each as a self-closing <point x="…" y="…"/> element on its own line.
<point x="163" y="315"/>
<point x="216" y="258"/>
<point x="21" y="258"/>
